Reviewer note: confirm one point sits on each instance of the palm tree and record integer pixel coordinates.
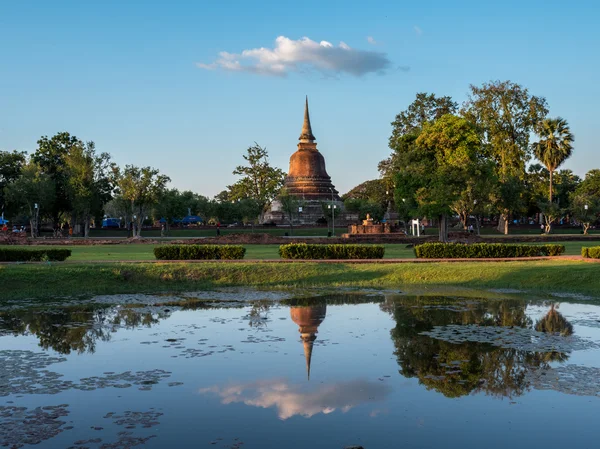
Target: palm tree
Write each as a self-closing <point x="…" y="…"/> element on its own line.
<point x="555" y="145"/>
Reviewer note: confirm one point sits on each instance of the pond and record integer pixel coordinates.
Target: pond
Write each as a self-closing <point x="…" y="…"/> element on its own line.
<point x="247" y="369"/>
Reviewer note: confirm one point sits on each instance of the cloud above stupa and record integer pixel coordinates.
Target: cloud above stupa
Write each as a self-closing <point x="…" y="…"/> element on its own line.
<point x="300" y="56"/>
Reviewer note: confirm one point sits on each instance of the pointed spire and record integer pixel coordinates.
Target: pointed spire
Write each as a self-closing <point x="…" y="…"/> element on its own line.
<point x="308" y="347"/>
<point x="306" y="135"/>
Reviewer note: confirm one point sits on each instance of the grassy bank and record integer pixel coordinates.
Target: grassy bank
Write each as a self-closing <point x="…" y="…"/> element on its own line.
<point x="144" y="251"/>
<point x="46" y="281"/>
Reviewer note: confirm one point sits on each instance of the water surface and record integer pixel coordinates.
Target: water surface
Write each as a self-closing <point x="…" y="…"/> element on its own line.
<point x="264" y="370"/>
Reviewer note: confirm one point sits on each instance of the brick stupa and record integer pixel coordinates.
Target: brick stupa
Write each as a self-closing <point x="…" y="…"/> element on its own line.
<point x="309" y="182"/>
<point x="307" y="177"/>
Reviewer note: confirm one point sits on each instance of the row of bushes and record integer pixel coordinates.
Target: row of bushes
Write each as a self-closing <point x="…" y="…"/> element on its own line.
<point x="591" y="253"/>
<point x="33" y="255"/>
<point x="484" y="250"/>
<point x="312" y="251"/>
<point x="199" y="252"/>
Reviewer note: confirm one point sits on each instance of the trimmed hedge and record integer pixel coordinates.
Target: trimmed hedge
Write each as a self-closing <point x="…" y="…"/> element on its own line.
<point x="314" y="251"/>
<point x="484" y="250"/>
<point x="591" y="252"/>
<point x="199" y="252"/>
<point x="33" y="255"/>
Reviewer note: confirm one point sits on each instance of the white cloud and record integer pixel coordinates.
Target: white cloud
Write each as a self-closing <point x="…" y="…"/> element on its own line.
<point x="300" y="55"/>
<point x="293" y="400"/>
<point x="418" y="30"/>
<point x="371" y="40"/>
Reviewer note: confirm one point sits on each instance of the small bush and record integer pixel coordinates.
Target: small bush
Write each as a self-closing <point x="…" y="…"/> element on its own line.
<point x="313" y="251"/>
<point x="33" y="255"/>
<point x="591" y="253"/>
<point x="484" y="250"/>
<point x="199" y="252"/>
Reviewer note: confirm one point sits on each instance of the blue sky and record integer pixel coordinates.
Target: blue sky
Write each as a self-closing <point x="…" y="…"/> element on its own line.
<point x="126" y="75"/>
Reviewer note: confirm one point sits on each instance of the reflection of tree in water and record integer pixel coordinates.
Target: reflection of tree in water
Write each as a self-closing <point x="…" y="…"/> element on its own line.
<point x="460" y="369"/>
<point x="553" y="322"/>
<point x="74" y="328"/>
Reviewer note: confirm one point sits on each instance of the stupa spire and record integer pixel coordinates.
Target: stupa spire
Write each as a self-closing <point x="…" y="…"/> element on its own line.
<point x="308" y="347"/>
<point x="306" y="135"/>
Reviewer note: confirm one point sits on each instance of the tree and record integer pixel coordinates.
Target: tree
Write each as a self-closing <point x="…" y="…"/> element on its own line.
<point x="11" y="164"/>
<point x="585" y="208"/>
<point x="437" y="168"/>
<point x="555" y="145"/>
<point x="505" y="115"/>
<point x="51" y="158"/>
<point x="33" y="191"/>
<point x="289" y="205"/>
<point x="88" y="181"/>
<point x="424" y="109"/>
<point x="142" y="188"/>
<point x="259" y="182"/>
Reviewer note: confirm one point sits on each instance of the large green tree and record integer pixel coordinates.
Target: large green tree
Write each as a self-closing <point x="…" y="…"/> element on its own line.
<point x="506" y="114"/>
<point x="435" y="170"/>
<point x="89" y="182"/>
<point x="33" y="191"/>
<point x="11" y="164"/>
<point x="142" y="188"/>
<point x="554" y="147"/>
<point x="51" y="157"/>
<point x="407" y="125"/>
<point x="260" y="181"/>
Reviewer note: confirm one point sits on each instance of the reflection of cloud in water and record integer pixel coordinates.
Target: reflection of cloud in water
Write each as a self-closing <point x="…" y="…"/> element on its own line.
<point x="291" y="400"/>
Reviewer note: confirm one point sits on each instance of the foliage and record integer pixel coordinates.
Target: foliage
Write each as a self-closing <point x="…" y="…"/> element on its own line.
<point x="437" y="166"/>
<point x="142" y="188"/>
<point x="505" y="115"/>
<point x="51" y="156"/>
<point x="555" y="145"/>
<point x="89" y="182"/>
<point x="552" y="212"/>
<point x="484" y="250"/>
<point x="289" y="205"/>
<point x="310" y="251"/>
<point x="33" y="255"/>
<point x="592" y="252"/>
<point x="199" y="252"/>
<point x="363" y="207"/>
<point x="585" y="208"/>
<point x="426" y="108"/>
<point x="31" y="188"/>
<point x="260" y="182"/>
<point x="11" y="164"/>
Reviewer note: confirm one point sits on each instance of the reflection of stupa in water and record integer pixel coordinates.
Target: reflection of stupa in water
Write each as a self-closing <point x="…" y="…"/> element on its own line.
<point x="308" y="320"/>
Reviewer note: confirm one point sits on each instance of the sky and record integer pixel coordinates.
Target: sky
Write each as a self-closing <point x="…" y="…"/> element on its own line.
<point x="187" y="86"/>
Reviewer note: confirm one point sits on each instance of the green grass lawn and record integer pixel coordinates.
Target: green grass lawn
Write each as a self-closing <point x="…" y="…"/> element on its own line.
<point x="46" y="281"/>
<point x="145" y="251"/>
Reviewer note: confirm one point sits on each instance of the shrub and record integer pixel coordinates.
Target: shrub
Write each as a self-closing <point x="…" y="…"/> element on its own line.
<point x="199" y="252"/>
<point x="313" y="251"/>
<point x="484" y="250"/>
<point x="33" y="255"/>
<point x="591" y="253"/>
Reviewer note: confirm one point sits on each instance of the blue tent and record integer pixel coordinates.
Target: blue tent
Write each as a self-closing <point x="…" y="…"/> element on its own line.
<point x="191" y="219"/>
<point x="3" y="221"/>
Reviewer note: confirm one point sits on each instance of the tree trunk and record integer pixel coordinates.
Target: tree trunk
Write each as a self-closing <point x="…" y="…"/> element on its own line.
<point x="550" y="186"/>
<point x="86" y="229"/>
<point x="477" y="225"/>
<point x="503" y="223"/>
<point x="443" y="229"/>
<point x="32" y="224"/>
<point x="586" y="226"/>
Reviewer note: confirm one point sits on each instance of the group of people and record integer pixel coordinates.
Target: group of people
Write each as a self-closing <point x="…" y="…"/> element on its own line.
<point x="15" y="229"/>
